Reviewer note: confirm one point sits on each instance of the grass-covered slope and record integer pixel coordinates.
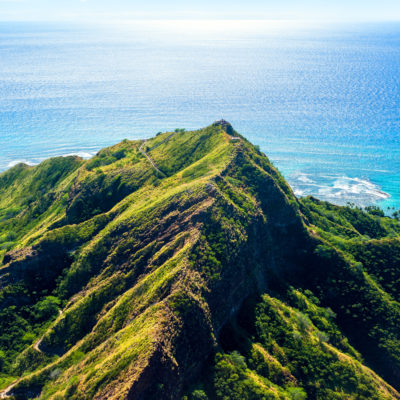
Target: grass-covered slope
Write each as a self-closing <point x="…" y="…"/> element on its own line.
<point x="184" y="266"/>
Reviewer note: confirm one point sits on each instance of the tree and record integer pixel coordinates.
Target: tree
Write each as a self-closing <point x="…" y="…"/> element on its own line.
<point x="47" y="307"/>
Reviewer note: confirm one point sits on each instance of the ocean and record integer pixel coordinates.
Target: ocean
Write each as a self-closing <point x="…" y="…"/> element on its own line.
<point x="323" y="103"/>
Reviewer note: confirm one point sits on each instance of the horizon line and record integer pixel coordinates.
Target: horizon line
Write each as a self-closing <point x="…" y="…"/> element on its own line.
<point x="92" y="20"/>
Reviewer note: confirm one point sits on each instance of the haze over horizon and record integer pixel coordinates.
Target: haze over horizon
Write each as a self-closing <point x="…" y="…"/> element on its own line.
<point x="104" y="11"/>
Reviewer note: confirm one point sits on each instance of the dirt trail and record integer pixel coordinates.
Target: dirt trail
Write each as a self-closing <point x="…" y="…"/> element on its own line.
<point x="4" y="394"/>
<point x="36" y="345"/>
<point x="148" y="157"/>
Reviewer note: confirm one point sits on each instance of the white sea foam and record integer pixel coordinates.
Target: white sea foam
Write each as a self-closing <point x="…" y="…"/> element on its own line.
<point x="338" y="189"/>
<point x="302" y="177"/>
<point x="36" y="161"/>
<point x="82" y="154"/>
<point x="345" y="186"/>
<point x="15" y="162"/>
<point x="299" y="192"/>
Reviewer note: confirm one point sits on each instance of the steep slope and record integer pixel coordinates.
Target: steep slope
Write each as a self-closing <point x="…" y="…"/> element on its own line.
<point x="123" y="275"/>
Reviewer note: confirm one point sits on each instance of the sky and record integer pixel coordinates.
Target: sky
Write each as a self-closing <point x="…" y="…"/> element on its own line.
<point x="118" y="10"/>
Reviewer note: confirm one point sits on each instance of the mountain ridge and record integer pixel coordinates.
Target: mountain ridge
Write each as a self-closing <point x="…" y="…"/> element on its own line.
<point x="153" y="249"/>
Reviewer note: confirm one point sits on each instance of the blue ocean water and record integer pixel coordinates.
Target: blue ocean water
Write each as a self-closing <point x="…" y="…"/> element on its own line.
<point x="322" y="102"/>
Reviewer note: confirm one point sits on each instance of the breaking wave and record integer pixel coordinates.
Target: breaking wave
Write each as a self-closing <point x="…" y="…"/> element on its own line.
<point x="15" y="162"/>
<point x="337" y="189"/>
<point x="82" y="154"/>
<point x="36" y="161"/>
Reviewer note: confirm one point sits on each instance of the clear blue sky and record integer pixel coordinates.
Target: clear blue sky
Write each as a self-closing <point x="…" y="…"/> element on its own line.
<point x="92" y="10"/>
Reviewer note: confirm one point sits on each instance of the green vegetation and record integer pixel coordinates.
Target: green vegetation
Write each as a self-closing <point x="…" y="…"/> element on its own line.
<point x="209" y="280"/>
<point x="290" y="358"/>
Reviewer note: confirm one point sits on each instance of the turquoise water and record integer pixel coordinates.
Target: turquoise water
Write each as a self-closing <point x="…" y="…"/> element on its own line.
<point x="322" y="103"/>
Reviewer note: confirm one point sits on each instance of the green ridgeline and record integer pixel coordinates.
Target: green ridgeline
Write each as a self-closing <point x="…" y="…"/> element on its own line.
<point x="185" y="267"/>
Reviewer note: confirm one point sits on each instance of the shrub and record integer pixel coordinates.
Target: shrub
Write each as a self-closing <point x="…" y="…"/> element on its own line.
<point x="46" y="308"/>
<point x="297" y="393"/>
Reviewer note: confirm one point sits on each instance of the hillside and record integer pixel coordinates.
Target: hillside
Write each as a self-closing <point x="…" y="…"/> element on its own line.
<point x="183" y="267"/>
